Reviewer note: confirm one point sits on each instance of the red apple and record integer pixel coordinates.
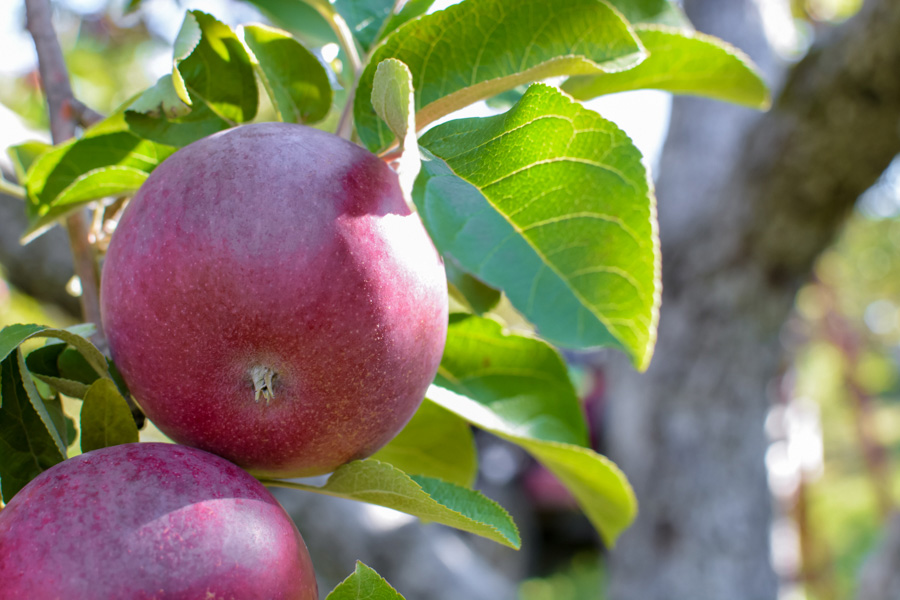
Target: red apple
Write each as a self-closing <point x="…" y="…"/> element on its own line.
<point x="268" y="296"/>
<point x="144" y="521"/>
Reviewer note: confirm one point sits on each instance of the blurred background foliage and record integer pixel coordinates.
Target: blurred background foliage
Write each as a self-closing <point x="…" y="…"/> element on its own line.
<point x="835" y="420"/>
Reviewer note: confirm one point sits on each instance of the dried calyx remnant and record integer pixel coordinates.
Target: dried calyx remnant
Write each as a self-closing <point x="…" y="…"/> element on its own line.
<point x="262" y="382"/>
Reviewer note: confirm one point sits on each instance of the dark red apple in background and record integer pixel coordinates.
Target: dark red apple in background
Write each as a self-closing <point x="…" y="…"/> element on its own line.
<point x="269" y="297"/>
<point x="150" y="521"/>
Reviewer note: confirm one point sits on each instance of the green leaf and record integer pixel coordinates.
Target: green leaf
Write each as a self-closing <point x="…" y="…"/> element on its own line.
<point x="364" y="584"/>
<point x="105" y="418"/>
<point x="13" y="335"/>
<point x="429" y="499"/>
<point x="663" y="12"/>
<point x="469" y="291"/>
<point x="26" y="446"/>
<point x="218" y="70"/>
<point x="550" y="203"/>
<point x="294" y="79"/>
<point x="394" y="102"/>
<point x="50" y="415"/>
<point x="298" y="17"/>
<point x="162" y="99"/>
<point x="62" y="368"/>
<point x="435" y="443"/>
<point x="365" y="18"/>
<point x="475" y="50"/>
<point x="517" y="388"/>
<point x="23" y="155"/>
<point x="523" y="381"/>
<point x="682" y="62"/>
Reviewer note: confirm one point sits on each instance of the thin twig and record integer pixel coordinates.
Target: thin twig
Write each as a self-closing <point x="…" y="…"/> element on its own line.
<point x="85" y="115"/>
<point x="65" y="113"/>
<point x="11" y="189"/>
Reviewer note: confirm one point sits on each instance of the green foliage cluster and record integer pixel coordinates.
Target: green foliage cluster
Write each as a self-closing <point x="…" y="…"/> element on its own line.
<point x="547" y="205"/>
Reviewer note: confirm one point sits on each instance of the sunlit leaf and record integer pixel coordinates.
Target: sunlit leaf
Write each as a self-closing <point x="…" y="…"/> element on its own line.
<point x="435" y="443"/>
<point x="682" y="62"/>
<point x="550" y="203"/>
<point x="294" y="79"/>
<point x="429" y="499"/>
<point x="475" y="50"/>
<point x="364" y="584"/>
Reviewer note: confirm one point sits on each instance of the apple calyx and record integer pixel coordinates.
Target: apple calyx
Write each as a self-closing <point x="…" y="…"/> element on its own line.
<point x="262" y="382"/>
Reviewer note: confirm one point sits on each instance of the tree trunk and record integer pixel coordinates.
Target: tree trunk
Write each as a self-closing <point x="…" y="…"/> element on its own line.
<point x="747" y="203"/>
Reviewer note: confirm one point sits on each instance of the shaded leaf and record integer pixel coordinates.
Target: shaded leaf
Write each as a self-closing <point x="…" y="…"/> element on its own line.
<point x="13" y="335"/>
<point x="298" y="17"/>
<point x="682" y="62"/>
<point x="49" y="413"/>
<point x="105" y="418"/>
<point x="469" y="291"/>
<point x="429" y="499"/>
<point x="295" y="79"/>
<point x="551" y="204"/>
<point x="364" y="584"/>
<point x="26" y="445"/>
<point x="475" y="50"/>
<point x="365" y="18"/>
<point x="435" y="443"/>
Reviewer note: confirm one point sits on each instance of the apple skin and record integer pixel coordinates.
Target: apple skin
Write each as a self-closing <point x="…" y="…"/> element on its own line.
<point x="279" y="249"/>
<point x="150" y="521"/>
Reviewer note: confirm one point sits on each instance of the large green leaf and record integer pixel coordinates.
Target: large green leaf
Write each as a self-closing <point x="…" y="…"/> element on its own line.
<point x="295" y="79"/>
<point x="479" y="48"/>
<point x="27" y="448"/>
<point x="364" y="584"/>
<point x="682" y="62"/>
<point x="429" y="499"/>
<point x="550" y="203"/>
<point x="105" y="418"/>
<point x="435" y="443"/>
<point x="516" y="388"/>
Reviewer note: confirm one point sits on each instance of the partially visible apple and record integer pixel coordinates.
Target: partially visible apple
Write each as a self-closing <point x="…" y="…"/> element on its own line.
<point x="268" y="296"/>
<point x="149" y="521"/>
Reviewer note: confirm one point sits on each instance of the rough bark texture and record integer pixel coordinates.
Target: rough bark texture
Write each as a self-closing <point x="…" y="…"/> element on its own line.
<point x="747" y="202"/>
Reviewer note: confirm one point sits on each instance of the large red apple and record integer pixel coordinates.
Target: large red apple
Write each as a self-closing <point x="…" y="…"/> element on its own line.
<point x="143" y="521"/>
<point x="268" y="296"/>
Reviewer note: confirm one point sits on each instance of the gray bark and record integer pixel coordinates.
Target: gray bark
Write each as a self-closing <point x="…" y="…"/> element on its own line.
<point x="42" y="268"/>
<point x="880" y="578"/>
<point x="747" y="203"/>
